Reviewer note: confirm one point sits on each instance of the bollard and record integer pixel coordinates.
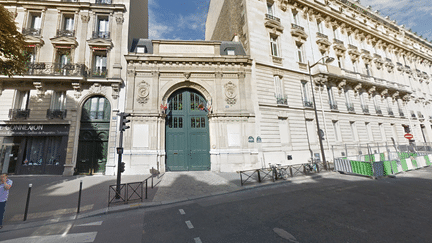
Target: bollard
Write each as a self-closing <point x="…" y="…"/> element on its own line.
<point x="152" y="181"/>
<point x="79" y="197"/>
<point x="146" y="188"/>
<point x="27" y="203"/>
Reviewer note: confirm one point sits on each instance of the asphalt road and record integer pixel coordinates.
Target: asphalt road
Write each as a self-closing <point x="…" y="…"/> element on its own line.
<point x="352" y="209"/>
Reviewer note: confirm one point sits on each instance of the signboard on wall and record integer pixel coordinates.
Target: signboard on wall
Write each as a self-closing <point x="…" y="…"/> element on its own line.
<point x="33" y="130"/>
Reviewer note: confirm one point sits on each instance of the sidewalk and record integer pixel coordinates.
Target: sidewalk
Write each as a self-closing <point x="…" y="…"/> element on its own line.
<point x="55" y="198"/>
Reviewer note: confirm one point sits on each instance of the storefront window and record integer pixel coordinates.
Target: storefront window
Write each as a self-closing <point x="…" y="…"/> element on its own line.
<point x="53" y="150"/>
<point x="42" y="150"/>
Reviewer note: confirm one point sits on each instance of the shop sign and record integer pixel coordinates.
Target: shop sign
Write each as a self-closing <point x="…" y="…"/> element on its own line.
<point x="33" y="130"/>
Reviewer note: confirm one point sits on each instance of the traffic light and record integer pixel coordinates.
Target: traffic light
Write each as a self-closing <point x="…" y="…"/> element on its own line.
<point x="124" y="121"/>
<point x="122" y="167"/>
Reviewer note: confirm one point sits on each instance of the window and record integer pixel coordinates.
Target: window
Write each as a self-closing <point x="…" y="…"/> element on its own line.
<point x="22" y="100"/>
<point x="320" y="27"/>
<point x="58" y="100"/>
<point x="270" y="8"/>
<point x="141" y="49"/>
<point x="394" y="131"/>
<point x="336" y="33"/>
<point x="279" y="90"/>
<point x="354" y="64"/>
<point x="231" y="52"/>
<point x="305" y="91"/>
<point x="377" y="104"/>
<point x="312" y="132"/>
<point x="354" y="132"/>
<point x="382" y="131"/>
<point x="350" y="39"/>
<point x="68" y="22"/>
<point x="300" y="54"/>
<point x="100" y="65"/>
<point x="367" y="69"/>
<point x="274" y="46"/>
<point x="35" y="20"/>
<point x="340" y="62"/>
<point x="332" y="101"/>
<point x="295" y="17"/>
<point x="102" y="27"/>
<point x="336" y="129"/>
<point x="347" y="97"/>
<point x="369" y="131"/>
<point x="98" y="108"/>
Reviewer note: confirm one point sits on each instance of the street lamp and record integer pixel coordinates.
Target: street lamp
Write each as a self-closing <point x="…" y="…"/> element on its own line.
<point x="328" y="60"/>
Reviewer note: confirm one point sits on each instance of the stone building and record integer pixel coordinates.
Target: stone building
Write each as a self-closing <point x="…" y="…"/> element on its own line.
<point x="377" y="88"/>
<point x="191" y="106"/>
<point x="60" y="116"/>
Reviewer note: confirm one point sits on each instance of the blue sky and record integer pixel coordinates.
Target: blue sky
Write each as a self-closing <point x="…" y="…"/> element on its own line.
<point x="185" y="19"/>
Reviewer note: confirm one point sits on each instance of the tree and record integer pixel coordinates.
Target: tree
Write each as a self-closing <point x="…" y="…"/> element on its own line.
<point x="12" y="45"/>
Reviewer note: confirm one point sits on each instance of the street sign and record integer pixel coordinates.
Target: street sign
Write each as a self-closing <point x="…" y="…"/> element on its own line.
<point x="408" y="136"/>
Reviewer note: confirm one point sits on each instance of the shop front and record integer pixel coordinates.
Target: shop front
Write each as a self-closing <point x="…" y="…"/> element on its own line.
<point x="33" y="148"/>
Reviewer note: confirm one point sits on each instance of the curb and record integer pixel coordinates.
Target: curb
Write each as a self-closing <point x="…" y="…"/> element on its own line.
<point x="142" y="205"/>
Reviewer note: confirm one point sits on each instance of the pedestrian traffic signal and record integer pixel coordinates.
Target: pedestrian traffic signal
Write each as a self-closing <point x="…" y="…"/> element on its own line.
<point x="124" y="121"/>
<point x="122" y="167"/>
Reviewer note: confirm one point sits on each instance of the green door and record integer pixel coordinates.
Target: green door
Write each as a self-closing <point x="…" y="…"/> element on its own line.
<point x="94" y="134"/>
<point x="187" y="132"/>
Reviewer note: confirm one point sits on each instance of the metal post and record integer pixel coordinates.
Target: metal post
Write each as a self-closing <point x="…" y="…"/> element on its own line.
<point x="79" y="197"/>
<point x="146" y="188"/>
<point x="28" y="202"/>
<point x="241" y="179"/>
<point x="152" y="181"/>
<point x="317" y="121"/>
<point x="120" y="153"/>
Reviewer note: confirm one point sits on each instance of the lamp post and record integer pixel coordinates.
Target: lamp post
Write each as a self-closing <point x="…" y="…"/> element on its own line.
<point x="328" y="60"/>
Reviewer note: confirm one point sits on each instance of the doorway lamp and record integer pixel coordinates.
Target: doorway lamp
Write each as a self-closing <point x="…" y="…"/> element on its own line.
<point x="320" y="134"/>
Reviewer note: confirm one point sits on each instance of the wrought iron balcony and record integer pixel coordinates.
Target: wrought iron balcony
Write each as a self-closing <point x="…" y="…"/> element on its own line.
<point x="294" y="26"/>
<point x="31" y="31"/>
<point x="19" y="114"/>
<point x="401" y="113"/>
<point x="321" y="35"/>
<point x="99" y="73"/>
<point x="338" y="41"/>
<point x="65" y="33"/>
<point x="281" y="99"/>
<point x="103" y="1"/>
<point x="333" y="106"/>
<point x="378" y="111"/>
<point x="390" y="112"/>
<point x="350" y="107"/>
<point x="269" y="16"/>
<point x="101" y="34"/>
<point x="308" y="104"/>
<point x="365" y="109"/>
<point x="60" y="114"/>
<point x="56" y="69"/>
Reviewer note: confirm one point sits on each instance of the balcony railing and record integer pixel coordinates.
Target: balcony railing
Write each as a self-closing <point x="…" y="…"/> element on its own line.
<point x="31" y="31"/>
<point x="59" y="114"/>
<point x="321" y="35"/>
<point x="99" y="73"/>
<point x="56" y="69"/>
<point x="294" y="26"/>
<point x="281" y="99"/>
<point x="352" y="47"/>
<point x="338" y="41"/>
<point x="390" y="112"/>
<point x="365" y="109"/>
<point x="65" y="33"/>
<point x="269" y="16"/>
<point x="19" y="114"/>
<point x="103" y="1"/>
<point x="307" y="103"/>
<point x="350" y="107"/>
<point x="333" y="106"/>
<point x="401" y="113"/>
<point x="378" y="111"/>
<point x="101" y="34"/>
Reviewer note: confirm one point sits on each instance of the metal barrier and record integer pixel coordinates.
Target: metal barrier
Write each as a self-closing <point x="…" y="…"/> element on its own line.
<point x="134" y="191"/>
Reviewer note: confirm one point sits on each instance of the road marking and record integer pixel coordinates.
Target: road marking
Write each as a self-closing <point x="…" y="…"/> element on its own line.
<point x="189" y="224"/>
<point x="182" y="211"/>
<point x="67" y="230"/>
<point x="80" y="237"/>
<point x="285" y="235"/>
<point x="91" y="224"/>
<point x="197" y="240"/>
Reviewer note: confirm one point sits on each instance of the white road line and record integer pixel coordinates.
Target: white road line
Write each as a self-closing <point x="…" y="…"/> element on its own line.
<point x="189" y="224"/>
<point x="182" y="211"/>
<point x="67" y="230"/>
<point x="91" y="224"/>
<point x="80" y="237"/>
<point x="197" y="240"/>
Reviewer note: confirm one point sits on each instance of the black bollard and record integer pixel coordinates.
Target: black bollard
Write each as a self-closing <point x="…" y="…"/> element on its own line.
<point x="146" y="188"/>
<point x="28" y="202"/>
<point x="79" y="197"/>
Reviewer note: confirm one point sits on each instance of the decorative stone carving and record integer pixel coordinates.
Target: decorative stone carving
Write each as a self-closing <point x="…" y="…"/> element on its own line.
<point x="143" y="93"/>
<point x="273" y="26"/>
<point x="119" y="20"/>
<point x="371" y="91"/>
<point x="97" y="88"/>
<point x="357" y="88"/>
<point x="354" y="54"/>
<point x="85" y="18"/>
<point x="283" y="4"/>
<point x="187" y="75"/>
<point x="339" y="49"/>
<point x="323" y="44"/>
<point x="77" y="88"/>
<point x="299" y="34"/>
<point x="230" y="93"/>
<point x="341" y="85"/>
<point x="395" y="95"/>
<point x="384" y="93"/>
<point x="115" y="90"/>
<point x="40" y="89"/>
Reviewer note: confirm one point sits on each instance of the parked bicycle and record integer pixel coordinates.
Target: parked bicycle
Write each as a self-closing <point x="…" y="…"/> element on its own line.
<point x="279" y="171"/>
<point x="312" y="166"/>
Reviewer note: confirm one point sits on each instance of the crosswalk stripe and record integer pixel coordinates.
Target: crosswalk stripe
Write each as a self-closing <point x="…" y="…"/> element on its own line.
<point x="91" y="224"/>
<point x="189" y="224"/>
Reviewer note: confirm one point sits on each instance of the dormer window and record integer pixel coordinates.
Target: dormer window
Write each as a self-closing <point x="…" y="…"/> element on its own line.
<point x="141" y="49"/>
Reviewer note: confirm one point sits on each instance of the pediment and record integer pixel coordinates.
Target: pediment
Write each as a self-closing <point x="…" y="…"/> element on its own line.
<point x="64" y="41"/>
<point x="99" y="42"/>
<point x="33" y="40"/>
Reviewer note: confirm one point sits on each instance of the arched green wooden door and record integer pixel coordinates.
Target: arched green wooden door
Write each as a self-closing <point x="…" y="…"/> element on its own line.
<point x="94" y="134"/>
<point x="187" y="132"/>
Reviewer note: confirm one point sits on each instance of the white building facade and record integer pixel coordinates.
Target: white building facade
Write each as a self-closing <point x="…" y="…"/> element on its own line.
<point x="377" y="88"/>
